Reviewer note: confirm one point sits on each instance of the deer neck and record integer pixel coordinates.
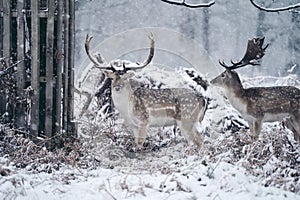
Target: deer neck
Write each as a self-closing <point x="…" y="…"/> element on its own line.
<point x="233" y="86"/>
<point x="237" y="91"/>
<point x="121" y="98"/>
<point x="235" y="95"/>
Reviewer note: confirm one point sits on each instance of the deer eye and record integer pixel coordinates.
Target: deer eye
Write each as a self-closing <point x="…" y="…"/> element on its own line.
<point x="117" y="88"/>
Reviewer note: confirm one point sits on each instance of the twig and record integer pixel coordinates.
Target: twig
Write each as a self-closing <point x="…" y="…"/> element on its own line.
<point x="291" y="7"/>
<point x="210" y="172"/>
<point x="7" y="70"/>
<point x="162" y="184"/>
<point x="109" y="193"/>
<point x="183" y="3"/>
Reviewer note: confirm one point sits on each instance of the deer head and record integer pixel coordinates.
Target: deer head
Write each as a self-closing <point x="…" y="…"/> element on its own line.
<point x="119" y="71"/>
<point x="254" y="53"/>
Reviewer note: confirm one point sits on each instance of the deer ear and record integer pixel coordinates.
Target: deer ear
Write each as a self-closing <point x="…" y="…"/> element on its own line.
<point x="109" y="74"/>
<point x="127" y="75"/>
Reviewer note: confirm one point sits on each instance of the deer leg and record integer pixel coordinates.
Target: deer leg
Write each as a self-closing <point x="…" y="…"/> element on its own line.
<point x="293" y="123"/>
<point x="255" y="127"/>
<point x="198" y="137"/>
<point x="140" y="135"/>
<point x="190" y="132"/>
<point x="251" y="126"/>
<point x="185" y="129"/>
<point x="287" y="123"/>
<point x="135" y="131"/>
<point x="297" y="126"/>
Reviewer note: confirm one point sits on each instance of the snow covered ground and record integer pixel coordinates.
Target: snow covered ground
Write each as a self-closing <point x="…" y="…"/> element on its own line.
<point x="186" y="178"/>
<point x="103" y="165"/>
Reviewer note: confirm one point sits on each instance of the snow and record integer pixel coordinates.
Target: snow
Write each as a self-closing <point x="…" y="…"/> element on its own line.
<point x="194" y="180"/>
<point x="103" y="165"/>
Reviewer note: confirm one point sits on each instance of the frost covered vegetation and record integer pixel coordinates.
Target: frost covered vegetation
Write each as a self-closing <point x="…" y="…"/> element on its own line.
<point x="103" y="163"/>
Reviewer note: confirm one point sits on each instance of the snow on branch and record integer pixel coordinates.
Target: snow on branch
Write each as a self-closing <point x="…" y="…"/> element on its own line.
<point x="183" y="3"/>
<point x="291" y="7"/>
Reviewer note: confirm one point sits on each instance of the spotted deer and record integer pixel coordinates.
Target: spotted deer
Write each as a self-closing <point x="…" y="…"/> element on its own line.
<point x="142" y="108"/>
<point x="260" y="104"/>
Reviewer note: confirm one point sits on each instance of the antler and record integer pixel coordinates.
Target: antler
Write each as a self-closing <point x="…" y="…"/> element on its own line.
<point x="255" y="51"/>
<point x="126" y="67"/>
<point x="87" y="50"/>
<point x="147" y="61"/>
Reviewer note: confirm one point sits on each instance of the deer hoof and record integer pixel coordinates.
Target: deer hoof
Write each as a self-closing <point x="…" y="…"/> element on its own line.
<point x="139" y="142"/>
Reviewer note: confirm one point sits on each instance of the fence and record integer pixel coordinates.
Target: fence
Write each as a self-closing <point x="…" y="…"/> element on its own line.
<point x="38" y="37"/>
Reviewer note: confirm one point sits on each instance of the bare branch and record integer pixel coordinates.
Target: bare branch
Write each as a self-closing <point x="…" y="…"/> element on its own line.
<point x="291" y="7"/>
<point x="183" y="3"/>
<point x="10" y="68"/>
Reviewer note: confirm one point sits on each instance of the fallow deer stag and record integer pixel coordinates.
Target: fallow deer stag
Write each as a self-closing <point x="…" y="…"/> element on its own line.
<point x="144" y="107"/>
<point x="260" y="104"/>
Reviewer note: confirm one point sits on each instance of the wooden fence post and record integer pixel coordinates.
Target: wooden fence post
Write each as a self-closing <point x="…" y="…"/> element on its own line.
<point x="20" y="122"/>
<point x="1" y="28"/>
<point x="35" y="68"/>
<point x="59" y="64"/>
<point x="6" y="28"/>
<point x="71" y="123"/>
<point x="66" y="65"/>
<point x="68" y="79"/>
<point x="49" y="70"/>
<point x="6" y="52"/>
<point x="2" y="98"/>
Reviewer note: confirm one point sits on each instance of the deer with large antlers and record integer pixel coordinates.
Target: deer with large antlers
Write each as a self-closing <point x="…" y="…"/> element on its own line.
<point x="260" y="104"/>
<point x="144" y="107"/>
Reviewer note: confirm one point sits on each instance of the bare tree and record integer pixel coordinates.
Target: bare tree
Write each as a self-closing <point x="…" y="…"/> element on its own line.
<point x="183" y="3"/>
<point x="279" y="9"/>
